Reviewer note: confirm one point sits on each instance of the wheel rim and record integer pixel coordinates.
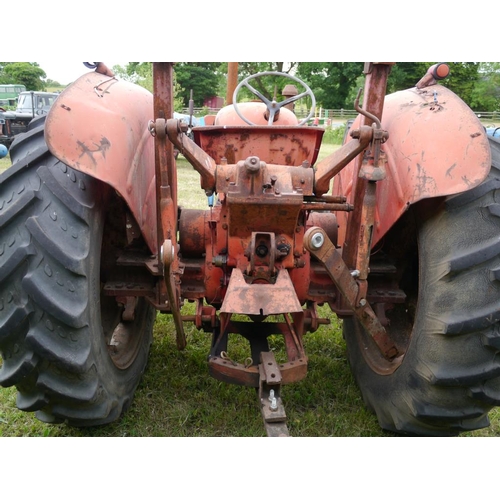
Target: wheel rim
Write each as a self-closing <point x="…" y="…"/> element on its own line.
<point x="400" y="327"/>
<point x="123" y="340"/>
<point x="121" y="317"/>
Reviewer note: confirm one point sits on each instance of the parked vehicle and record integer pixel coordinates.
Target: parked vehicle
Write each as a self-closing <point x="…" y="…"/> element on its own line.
<point x="403" y="248"/>
<point x="35" y="103"/>
<point x="493" y="131"/>
<point x="9" y="94"/>
<point x="29" y="105"/>
<point x="6" y="134"/>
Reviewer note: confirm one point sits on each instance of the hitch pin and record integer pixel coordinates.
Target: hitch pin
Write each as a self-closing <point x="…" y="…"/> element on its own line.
<point x="274" y="402"/>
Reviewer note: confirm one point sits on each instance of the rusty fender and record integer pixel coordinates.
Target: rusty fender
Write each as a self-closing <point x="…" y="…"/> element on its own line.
<point x="99" y="126"/>
<point x="436" y="147"/>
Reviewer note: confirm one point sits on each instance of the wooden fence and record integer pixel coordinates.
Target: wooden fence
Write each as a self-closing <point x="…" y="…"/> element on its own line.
<point x="327" y="116"/>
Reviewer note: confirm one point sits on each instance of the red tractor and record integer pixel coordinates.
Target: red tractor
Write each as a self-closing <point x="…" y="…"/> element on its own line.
<point x="398" y="231"/>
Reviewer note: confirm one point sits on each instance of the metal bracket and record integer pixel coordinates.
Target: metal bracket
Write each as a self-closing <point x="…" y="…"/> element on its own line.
<point x="168" y="257"/>
<point x="272" y="409"/>
<point x="318" y="244"/>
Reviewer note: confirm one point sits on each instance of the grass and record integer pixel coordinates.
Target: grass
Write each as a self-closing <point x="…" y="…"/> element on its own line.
<point x="4" y="163"/>
<point x="177" y="397"/>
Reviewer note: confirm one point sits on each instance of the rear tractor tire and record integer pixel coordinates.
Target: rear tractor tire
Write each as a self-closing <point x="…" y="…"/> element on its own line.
<point x="63" y="344"/>
<point x="448" y="377"/>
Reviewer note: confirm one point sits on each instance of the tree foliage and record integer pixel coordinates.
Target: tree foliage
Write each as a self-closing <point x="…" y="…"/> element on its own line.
<point x="331" y="82"/>
<point x="141" y="73"/>
<point x="28" y="74"/>
<point x="268" y="85"/>
<point x="486" y="92"/>
<point x="405" y="75"/>
<point x="334" y="84"/>
<point x="202" y="78"/>
<point x="462" y="79"/>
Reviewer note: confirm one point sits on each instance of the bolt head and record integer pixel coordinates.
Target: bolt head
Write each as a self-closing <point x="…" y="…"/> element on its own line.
<point x="252" y="164"/>
<point x="317" y="240"/>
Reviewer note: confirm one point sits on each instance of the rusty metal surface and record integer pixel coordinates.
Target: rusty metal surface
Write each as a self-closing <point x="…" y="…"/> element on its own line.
<point x="115" y="146"/>
<point x="232" y="81"/>
<point x="170" y="260"/>
<point x="165" y="172"/>
<point x="268" y="180"/>
<point x="260" y="299"/>
<point x="334" y="163"/>
<point x="281" y="145"/>
<point x="248" y="376"/>
<point x="255" y="112"/>
<point x="436" y="147"/>
<point x="271" y="404"/>
<point x="202" y="162"/>
<point x="366" y="231"/>
<point x="373" y="105"/>
<point x="434" y="73"/>
<point x="194" y="232"/>
<point x="128" y="289"/>
<point x="353" y="291"/>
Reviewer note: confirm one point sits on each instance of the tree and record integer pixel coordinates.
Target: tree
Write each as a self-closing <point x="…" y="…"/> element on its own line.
<point x="462" y="79"/>
<point x="405" y="75"/>
<point x="331" y="82"/>
<point x="28" y="74"/>
<point x="486" y="91"/>
<point x="251" y="68"/>
<point x="141" y="73"/>
<point x="52" y="83"/>
<point x="203" y="78"/>
<point x="266" y="85"/>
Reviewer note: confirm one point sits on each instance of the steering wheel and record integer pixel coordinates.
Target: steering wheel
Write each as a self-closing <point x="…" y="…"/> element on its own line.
<point x="273" y="106"/>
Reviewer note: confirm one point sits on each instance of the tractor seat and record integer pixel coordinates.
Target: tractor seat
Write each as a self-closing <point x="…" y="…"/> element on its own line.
<point x="283" y="143"/>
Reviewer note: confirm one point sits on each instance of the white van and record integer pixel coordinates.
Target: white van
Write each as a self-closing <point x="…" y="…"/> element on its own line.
<point x="35" y="103"/>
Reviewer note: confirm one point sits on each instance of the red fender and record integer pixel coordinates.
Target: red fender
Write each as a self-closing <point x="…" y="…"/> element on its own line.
<point x="436" y="147"/>
<point x="99" y="126"/>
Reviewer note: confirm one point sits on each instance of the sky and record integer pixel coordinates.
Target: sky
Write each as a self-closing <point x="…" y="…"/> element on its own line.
<point x="67" y="71"/>
<point x="141" y="36"/>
